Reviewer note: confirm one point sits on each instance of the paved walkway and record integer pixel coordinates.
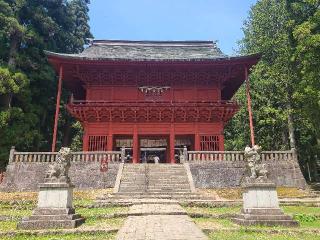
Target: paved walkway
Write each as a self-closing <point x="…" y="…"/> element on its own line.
<point x="159" y="222"/>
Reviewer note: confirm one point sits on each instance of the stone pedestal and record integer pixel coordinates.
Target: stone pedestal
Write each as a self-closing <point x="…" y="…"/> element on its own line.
<point x="261" y="207"/>
<point x="54" y="210"/>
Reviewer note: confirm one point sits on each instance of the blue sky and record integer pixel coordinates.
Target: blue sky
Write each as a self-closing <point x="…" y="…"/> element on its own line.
<point x="170" y="20"/>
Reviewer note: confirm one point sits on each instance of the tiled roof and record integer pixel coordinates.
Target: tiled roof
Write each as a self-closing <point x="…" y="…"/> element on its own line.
<point x="148" y="50"/>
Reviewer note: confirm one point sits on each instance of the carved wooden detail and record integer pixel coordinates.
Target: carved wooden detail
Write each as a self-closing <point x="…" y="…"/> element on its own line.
<point x="155" y="77"/>
<point x="153" y="112"/>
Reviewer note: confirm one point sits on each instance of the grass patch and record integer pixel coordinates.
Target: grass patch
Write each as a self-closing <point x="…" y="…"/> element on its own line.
<point x="83" y="202"/>
<point x="84" y="236"/>
<point x="12" y="212"/>
<point x="236" y="193"/>
<point x="301" y="210"/>
<point x="210" y="223"/>
<point x="96" y="212"/>
<point x="247" y="235"/>
<point x="18" y="196"/>
<point x="291" y="192"/>
<point x="104" y="223"/>
<point x="229" y="193"/>
<point x="8" y="226"/>
<point x="213" y="210"/>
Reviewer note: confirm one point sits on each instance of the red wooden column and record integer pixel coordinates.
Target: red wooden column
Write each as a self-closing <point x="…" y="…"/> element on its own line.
<point x="56" y="116"/>
<point x="197" y="146"/>
<point x="171" y="144"/>
<point x="249" y="106"/>
<point x="135" y="145"/>
<point x="110" y="142"/>
<point x="85" y="143"/>
<point x="221" y="142"/>
<point x="110" y="138"/>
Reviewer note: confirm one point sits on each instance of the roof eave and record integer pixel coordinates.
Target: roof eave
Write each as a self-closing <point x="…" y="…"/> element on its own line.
<point x="71" y="57"/>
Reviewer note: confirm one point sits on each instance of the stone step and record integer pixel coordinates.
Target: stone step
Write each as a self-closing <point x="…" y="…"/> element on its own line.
<point x="149" y="195"/>
<point x="53" y="211"/>
<point x="262" y="211"/>
<point x="156" y="192"/>
<point x="168" y="184"/>
<point x="287" y="223"/>
<point x="264" y="217"/>
<point x="54" y="217"/>
<point x="49" y="224"/>
<point x="152" y="180"/>
<point x="177" y="197"/>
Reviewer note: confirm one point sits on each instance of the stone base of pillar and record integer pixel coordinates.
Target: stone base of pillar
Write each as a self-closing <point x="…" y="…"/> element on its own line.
<point x="54" y="210"/>
<point x="261" y="207"/>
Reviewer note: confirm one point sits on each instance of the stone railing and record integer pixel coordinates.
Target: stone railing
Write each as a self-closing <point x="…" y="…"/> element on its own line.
<point x="109" y="156"/>
<point x="1" y="176"/>
<point x="290" y="155"/>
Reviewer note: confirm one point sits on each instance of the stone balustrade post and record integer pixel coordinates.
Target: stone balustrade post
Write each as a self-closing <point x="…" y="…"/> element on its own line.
<point x="123" y="154"/>
<point x="294" y="154"/>
<point x="185" y="153"/>
<point x="11" y="156"/>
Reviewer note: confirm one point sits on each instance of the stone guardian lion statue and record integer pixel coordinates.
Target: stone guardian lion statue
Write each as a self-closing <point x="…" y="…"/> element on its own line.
<point x="58" y="170"/>
<point x="257" y="170"/>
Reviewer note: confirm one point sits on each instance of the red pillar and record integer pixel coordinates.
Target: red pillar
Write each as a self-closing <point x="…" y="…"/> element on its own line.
<point x="85" y="144"/>
<point x="171" y="144"/>
<point x="56" y="116"/>
<point x="249" y="107"/>
<point x="110" y="142"/>
<point x="197" y="146"/>
<point x="135" y="145"/>
<point x="221" y="142"/>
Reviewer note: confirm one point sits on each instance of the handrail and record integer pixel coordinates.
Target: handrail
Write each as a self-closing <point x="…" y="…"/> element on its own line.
<point x="289" y="155"/>
<point x="97" y="156"/>
<point x="158" y="103"/>
<point x="119" y="156"/>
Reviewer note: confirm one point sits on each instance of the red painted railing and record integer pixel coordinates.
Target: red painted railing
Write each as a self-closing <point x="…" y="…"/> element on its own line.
<point x="153" y="111"/>
<point x="154" y="103"/>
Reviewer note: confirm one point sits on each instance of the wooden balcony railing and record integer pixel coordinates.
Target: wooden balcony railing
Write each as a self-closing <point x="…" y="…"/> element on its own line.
<point x="151" y="111"/>
<point x="158" y="103"/>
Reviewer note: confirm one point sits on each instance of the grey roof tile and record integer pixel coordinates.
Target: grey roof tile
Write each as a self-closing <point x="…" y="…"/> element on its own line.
<point x="149" y="50"/>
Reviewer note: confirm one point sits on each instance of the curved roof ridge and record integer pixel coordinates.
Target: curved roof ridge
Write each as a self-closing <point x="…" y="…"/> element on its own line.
<point x="153" y="42"/>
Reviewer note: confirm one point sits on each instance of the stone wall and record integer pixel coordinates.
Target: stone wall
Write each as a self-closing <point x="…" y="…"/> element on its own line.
<point x="24" y="176"/>
<point x="220" y="174"/>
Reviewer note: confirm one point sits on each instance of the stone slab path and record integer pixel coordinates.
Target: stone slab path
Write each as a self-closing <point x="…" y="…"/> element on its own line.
<point x="159" y="222"/>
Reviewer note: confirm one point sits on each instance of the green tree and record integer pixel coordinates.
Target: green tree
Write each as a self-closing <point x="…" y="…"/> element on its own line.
<point x="305" y="35"/>
<point x="272" y="79"/>
<point x="28" y="83"/>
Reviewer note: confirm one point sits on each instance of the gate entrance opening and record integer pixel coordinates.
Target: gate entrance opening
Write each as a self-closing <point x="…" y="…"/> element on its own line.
<point x="154" y="149"/>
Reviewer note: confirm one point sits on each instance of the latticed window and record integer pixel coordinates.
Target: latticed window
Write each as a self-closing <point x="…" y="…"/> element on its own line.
<point x="97" y="143"/>
<point x="209" y="143"/>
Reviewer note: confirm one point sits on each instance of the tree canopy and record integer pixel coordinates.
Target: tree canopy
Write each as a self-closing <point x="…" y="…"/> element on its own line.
<point x="285" y="83"/>
<point x="27" y="82"/>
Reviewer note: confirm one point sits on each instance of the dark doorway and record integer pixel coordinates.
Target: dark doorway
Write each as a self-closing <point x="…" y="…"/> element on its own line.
<point x="153" y="149"/>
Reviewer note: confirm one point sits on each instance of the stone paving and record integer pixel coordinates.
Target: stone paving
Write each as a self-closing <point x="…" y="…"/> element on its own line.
<point x="157" y="209"/>
<point x="157" y="222"/>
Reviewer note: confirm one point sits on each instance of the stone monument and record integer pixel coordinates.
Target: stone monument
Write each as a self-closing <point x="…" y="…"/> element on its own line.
<point x="260" y="198"/>
<point x="55" y="208"/>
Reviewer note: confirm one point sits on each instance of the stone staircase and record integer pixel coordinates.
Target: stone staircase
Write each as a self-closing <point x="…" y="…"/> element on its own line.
<point x="154" y="181"/>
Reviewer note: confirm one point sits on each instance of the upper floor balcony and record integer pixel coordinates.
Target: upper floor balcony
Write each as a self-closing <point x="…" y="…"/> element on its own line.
<point x="152" y="111"/>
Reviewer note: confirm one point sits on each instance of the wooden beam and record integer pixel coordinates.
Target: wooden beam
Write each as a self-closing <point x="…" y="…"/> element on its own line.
<point x="56" y="117"/>
<point x="249" y="107"/>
